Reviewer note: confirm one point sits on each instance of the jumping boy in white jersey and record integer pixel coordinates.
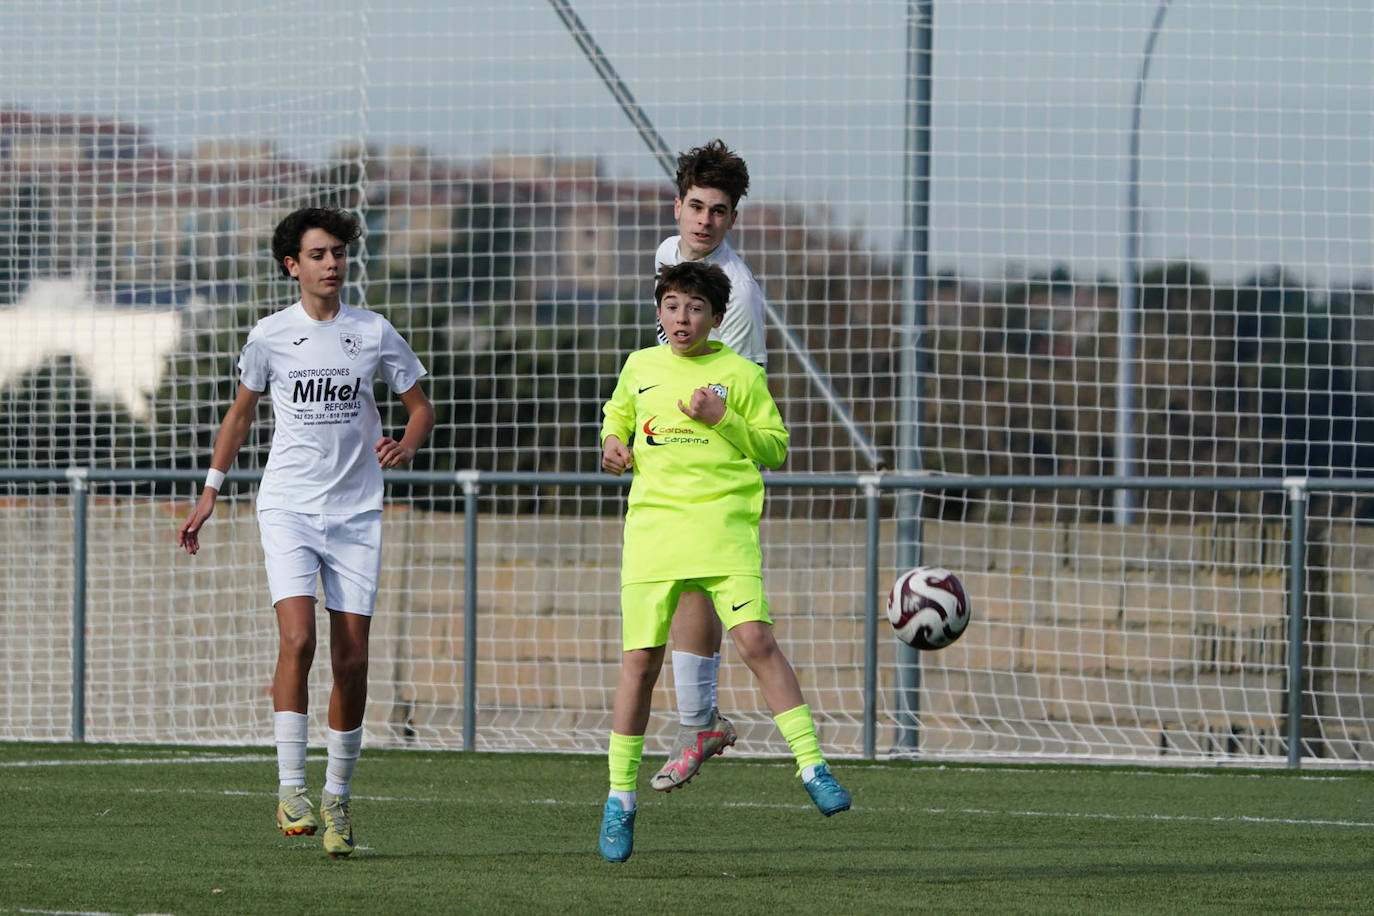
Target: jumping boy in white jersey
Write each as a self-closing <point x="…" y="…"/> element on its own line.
<point x="320" y="503"/>
<point x="711" y="179"/>
<point x="701" y="421"/>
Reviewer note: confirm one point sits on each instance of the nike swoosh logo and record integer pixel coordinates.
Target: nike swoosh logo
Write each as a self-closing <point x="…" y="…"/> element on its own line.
<point x="736" y="607"/>
<point x="301" y="341"/>
<point x="646" y="388"/>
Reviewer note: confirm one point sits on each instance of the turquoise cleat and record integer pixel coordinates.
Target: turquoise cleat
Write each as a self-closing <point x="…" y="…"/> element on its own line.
<point x="617" y="831"/>
<point x="829" y="796"/>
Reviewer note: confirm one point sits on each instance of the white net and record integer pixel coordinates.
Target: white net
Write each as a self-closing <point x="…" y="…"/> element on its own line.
<point x="1195" y="262"/>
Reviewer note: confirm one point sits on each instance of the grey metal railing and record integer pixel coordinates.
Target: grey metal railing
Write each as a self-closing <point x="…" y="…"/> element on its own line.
<point x="870" y="485"/>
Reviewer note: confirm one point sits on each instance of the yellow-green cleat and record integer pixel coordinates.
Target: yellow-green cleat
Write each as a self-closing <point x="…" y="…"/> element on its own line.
<point x="295" y="814"/>
<point x="338" y="825"/>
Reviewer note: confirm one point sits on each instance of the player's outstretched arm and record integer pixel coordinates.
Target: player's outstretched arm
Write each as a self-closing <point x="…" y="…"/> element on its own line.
<point x="233" y="432"/>
<point x="393" y="454"/>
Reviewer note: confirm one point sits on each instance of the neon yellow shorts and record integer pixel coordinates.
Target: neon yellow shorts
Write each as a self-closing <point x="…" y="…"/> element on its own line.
<point x="646" y="608"/>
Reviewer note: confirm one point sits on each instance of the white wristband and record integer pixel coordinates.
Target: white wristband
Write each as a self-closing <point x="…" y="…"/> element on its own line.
<point x="214" y="478"/>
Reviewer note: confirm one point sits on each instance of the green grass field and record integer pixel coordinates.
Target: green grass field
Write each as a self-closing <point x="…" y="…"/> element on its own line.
<point x="132" y="829"/>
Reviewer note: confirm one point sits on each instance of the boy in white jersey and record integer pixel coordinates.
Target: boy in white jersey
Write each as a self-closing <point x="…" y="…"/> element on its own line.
<point x="701" y="421"/>
<point x="319" y="506"/>
<point x="711" y="179"/>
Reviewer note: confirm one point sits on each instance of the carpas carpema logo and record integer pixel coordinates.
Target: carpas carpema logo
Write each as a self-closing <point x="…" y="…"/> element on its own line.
<point x="671" y="435"/>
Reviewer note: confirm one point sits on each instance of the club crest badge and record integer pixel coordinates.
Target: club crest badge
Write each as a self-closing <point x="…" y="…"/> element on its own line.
<point x="719" y="390"/>
<point x="351" y="344"/>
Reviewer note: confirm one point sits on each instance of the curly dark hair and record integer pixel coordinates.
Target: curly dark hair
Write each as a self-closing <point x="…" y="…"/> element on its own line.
<point x="695" y="278"/>
<point x="286" y="240"/>
<point x="713" y="166"/>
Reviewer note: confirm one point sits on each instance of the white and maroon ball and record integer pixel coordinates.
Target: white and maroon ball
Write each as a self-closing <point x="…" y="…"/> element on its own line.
<point x="928" y="607"/>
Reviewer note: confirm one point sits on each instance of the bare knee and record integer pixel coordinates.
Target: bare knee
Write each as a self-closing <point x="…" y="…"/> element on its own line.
<point x="296" y="631"/>
<point x="754" y="642"/>
<point x="297" y="646"/>
<point x="641" y="666"/>
<point x="350" y="665"/>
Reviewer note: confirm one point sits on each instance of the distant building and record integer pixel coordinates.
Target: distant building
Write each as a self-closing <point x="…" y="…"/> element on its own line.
<point x="94" y="196"/>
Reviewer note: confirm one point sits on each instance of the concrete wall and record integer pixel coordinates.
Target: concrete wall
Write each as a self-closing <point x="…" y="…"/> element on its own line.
<point x="1088" y="641"/>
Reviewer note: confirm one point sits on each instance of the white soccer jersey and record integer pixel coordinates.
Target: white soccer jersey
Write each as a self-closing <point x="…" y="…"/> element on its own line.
<point x="321" y="375"/>
<point x="742" y="330"/>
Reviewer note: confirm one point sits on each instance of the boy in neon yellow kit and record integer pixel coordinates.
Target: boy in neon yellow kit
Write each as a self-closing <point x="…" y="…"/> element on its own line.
<point x="701" y="420"/>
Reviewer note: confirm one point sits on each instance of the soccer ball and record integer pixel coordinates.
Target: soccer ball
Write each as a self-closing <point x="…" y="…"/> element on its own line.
<point x="928" y="607"/>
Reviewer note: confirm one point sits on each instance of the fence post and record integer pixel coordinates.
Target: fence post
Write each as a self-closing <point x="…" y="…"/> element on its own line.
<point x="870" y="485"/>
<point x="80" y="485"/>
<point x="1297" y="598"/>
<point x="468" y="480"/>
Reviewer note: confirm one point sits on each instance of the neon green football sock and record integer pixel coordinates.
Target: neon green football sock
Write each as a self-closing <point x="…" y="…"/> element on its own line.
<point x="799" y="729"/>
<point x="623" y="756"/>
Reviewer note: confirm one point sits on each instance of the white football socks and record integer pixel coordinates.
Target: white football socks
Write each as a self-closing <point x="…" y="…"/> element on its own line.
<point x="715" y="679"/>
<point x="289" y="730"/>
<point x="344" y="748"/>
<point x="694" y="679"/>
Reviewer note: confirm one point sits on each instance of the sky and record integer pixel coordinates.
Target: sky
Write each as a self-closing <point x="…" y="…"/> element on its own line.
<point x="1256" y="130"/>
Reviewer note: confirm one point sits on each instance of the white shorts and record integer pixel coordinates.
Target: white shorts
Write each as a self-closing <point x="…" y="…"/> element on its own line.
<point x="343" y="550"/>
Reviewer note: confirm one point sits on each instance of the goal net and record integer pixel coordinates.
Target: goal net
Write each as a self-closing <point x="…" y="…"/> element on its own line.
<point x="1049" y="239"/>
